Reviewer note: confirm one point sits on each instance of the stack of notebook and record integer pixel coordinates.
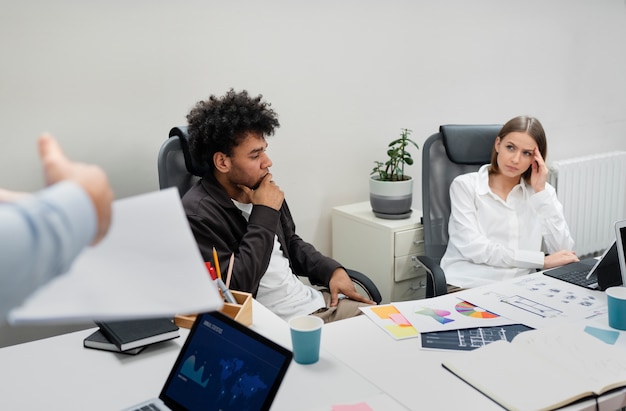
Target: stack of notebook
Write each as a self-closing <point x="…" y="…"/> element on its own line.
<point x="131" y="336"/>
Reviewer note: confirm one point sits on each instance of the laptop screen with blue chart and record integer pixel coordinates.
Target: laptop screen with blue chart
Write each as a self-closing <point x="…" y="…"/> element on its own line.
<point x="224" y="365"/>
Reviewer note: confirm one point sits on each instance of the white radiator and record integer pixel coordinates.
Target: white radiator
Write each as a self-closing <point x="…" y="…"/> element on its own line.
<point x="592" y="190"/>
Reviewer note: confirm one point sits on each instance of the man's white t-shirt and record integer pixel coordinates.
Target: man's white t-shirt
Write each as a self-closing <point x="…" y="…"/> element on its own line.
<point x="280" y="289"/>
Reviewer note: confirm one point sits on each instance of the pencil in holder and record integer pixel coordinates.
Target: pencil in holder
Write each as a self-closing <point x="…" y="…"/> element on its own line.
<point x="240" y="312"/>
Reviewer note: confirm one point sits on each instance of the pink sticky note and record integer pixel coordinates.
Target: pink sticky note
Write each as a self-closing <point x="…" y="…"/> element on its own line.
<point x="352" y="407"/>
<point x="399" y="319"/>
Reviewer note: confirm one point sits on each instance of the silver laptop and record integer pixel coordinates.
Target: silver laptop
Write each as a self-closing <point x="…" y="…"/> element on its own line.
<point x="223" y="365"/>
<point x="592" y="273"/>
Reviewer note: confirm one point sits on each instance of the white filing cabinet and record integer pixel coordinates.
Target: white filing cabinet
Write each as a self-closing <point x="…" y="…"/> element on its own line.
<point x="381" y="249"/>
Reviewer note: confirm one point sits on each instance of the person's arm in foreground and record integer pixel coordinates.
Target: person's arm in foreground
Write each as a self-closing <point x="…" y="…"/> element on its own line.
<point x="42" y="233"/>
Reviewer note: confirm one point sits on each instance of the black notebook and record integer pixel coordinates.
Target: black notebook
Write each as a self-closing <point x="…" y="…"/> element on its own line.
<point x="98" y="341"/>
<point x="129" y="334"/>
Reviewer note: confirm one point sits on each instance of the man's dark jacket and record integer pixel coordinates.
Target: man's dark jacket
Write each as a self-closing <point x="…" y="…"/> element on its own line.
<point x="216" y="222"/>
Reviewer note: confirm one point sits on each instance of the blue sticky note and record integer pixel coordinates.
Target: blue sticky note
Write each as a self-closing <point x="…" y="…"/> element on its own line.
<point x="608" y="336"/>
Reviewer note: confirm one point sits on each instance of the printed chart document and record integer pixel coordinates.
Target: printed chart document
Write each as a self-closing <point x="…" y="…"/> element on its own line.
<point x="148" y="265"/>
<point x="542" y="369"/>
<point x="469" y="339"/>
<point x="538" y="300"/>
<point x="448" y="312"/>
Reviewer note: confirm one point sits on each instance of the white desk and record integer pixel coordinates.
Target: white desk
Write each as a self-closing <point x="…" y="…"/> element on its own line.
<point x="415" y="377"/>
<point x="58" y="373"/>
<point x="359" y="363"/>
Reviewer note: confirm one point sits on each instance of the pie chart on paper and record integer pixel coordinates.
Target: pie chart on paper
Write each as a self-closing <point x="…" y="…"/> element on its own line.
<point x="471" y="310"/>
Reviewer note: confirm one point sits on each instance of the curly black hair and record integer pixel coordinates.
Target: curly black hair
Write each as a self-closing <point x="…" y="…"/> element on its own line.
<point x="221" y="123"/>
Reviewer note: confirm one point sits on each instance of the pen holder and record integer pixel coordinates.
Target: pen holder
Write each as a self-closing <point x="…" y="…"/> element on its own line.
<point x="241" y="312"/>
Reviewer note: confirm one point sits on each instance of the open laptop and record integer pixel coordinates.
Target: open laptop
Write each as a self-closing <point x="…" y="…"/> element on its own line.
<point x="620" y="239"/>
<point x="593" y="273"/>
<point x="223" y="365"/>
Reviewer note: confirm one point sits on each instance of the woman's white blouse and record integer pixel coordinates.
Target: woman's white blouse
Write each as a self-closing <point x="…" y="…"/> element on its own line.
<point x="493" y="240"/>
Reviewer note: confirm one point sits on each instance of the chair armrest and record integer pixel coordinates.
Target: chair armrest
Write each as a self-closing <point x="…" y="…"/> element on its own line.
<point x="436" y="282"/>
<point x="366" y="283"/>
<point x="362" y="281"/>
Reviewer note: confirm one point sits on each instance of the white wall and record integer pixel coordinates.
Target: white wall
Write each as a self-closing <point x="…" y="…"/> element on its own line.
<point x="110" y="78"/>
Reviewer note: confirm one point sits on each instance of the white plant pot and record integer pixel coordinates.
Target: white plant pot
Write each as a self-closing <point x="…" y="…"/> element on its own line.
<point x="391" y="199"/>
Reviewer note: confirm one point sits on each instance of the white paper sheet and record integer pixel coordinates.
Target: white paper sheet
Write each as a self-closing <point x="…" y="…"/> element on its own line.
<point x="538" y="300"/>
<point x="448" y="312"/>
<point x="148" y="265"/>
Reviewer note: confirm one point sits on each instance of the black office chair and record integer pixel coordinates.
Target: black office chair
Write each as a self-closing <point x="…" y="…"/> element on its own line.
<point x="175" y="165"/>
<point x="454" y="150"/>
<point x="177" y="168"/>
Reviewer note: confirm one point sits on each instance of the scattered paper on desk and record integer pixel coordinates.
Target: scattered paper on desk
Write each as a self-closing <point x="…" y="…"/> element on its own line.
<point x="390" y="320"/>
<point x="447" y="312"/>
<point x="148" y="265"/>
<point x="536" y="300"/>
<point x="469" y="339"/>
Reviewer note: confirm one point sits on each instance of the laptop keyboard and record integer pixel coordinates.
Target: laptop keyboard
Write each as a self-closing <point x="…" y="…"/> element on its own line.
<point x="149" y="407"/>
<point x="576" y="277"/>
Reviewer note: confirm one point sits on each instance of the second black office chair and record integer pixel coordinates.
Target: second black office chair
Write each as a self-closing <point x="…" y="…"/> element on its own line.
<point x="454" y="150"/>
<point x="176" y="168"/>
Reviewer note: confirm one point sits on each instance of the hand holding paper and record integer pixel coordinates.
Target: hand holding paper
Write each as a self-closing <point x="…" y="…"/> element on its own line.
<point x="148" y="266"/>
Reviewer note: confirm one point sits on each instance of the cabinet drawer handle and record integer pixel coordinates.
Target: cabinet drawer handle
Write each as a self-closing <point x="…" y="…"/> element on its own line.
<point x="420" y="286"/>
<point x="418" y="242"/>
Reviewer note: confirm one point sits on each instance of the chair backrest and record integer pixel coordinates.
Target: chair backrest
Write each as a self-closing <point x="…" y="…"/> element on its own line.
<point x="454" y="150"/>
<point x="175" y="165"/>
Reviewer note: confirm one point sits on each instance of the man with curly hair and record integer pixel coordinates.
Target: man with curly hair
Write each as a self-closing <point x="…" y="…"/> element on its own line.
<point x="239" y="209"/>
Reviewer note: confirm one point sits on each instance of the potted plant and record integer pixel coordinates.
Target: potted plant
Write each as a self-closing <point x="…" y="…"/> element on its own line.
<point x="391" y="190"/>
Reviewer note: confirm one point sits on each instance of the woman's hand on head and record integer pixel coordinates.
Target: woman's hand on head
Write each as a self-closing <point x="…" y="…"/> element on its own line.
<point x="539" y="174"/>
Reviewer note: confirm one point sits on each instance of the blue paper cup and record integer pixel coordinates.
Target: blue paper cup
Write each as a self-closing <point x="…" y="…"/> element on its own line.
<point x="306" y="333"/>
<point x="616" y="302"/>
